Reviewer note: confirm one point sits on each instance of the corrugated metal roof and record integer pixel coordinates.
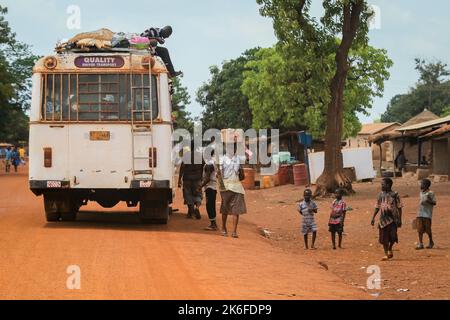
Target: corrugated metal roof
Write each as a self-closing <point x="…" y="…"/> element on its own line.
<point x="426" y="124"/>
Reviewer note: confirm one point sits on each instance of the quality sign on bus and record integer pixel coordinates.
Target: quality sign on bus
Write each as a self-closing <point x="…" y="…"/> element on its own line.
<point x="99" y="62"/>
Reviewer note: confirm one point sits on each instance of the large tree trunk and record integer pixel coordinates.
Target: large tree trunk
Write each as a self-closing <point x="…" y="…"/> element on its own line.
<point x="333" y="175"/>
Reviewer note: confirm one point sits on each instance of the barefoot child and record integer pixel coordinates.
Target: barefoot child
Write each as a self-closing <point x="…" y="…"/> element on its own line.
<point x="390" y="206"/>
<point x="307" y="209"/>
<point x="427" y="202"/>
<point x="337" y="217"/>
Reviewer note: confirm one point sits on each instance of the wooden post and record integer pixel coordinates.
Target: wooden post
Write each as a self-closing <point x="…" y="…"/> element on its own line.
<point x="394" y="155"/>
<point x="419" y="144"/>
<point x="381" y="158"/>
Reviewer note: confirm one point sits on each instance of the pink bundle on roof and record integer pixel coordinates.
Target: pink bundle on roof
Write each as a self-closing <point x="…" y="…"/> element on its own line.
<point x="139" y="42"/>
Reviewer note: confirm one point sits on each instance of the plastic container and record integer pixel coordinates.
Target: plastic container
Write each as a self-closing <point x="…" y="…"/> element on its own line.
<point x="284" y="157"/>
<point x="267" y="182"/>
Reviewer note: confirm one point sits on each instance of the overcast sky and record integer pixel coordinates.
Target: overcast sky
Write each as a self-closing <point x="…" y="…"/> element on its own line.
<point x="207" y="32"/>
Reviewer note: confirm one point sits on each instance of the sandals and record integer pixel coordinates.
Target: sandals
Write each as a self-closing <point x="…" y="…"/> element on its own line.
<point x="390" y="254"/>
<point x="431" y="246"/>
<point x="235" y="235"/>
<point x="224" y="233"/>
<point x="420" y="247"/>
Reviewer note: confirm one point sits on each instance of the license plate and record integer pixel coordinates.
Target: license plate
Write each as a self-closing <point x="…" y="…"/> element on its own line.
<point x="100" y="135"/>
<point x="53" y="184"/>
<point x="145" y="184"/>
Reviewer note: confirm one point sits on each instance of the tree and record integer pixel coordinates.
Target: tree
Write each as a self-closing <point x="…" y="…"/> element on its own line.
<point x="282" y="93"/>
<point x="432" y="92"/>
<point x="180" y="100"/>
<point x="343" y="19"/>
<point x="16" y="63"/>
<point x="224" y="104"/>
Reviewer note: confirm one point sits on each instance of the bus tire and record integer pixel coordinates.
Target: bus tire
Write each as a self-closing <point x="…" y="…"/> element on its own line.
<point x="70" y="211"/>
<point x="52" y="216"/>
<point x="69" y="216"/>
<point x="52" y="213"/>
<point x="154" y="212"/>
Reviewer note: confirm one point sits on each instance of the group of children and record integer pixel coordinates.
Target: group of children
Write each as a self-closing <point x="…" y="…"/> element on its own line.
<point x="388" y="205"/>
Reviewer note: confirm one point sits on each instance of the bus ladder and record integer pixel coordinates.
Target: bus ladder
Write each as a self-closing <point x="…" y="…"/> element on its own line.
<point x="142" y="129"/>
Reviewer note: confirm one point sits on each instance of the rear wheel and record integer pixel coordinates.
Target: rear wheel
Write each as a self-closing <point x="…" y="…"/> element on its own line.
<point x="52" y="213"/>
<point x="59" y="209"/>
<point x="69" y="216"/>
<point x="154" y="212"/>
<point x="52" y="216"/>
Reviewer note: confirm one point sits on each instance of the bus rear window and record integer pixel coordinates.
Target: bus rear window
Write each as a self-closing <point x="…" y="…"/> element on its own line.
<point x="98" y="97"/>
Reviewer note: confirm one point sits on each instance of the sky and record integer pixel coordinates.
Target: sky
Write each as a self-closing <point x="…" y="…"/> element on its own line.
<point x="208" y="32"/>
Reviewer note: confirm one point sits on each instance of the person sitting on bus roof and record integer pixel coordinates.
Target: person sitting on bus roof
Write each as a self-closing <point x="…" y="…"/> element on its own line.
<point x="160" y="35"/>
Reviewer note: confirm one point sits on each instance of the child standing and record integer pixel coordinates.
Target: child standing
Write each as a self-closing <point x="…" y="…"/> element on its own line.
<point x="210" y="184"/>
<point x="307" y="209"/>
<point x="427" y="203"/>
<point x="390" y="206"/>
<point x="337" y="217"/>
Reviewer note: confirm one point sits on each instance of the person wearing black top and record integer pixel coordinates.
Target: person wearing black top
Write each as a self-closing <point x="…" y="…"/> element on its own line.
<point x="160" y="34"/>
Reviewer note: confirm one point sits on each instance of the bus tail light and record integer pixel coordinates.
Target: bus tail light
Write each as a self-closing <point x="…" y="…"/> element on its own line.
<point x="152" y="155"/>
<point x="47" y="157"/>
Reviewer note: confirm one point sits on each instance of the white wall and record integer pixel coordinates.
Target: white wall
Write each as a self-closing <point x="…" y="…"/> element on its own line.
<point x="359" y="158"/>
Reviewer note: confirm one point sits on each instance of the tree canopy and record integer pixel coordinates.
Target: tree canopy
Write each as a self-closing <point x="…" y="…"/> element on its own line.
<point x="180" y="100"/>
<point x="283" y="93"/>
<point x="16" y="63"/>
<point x="224" y="104"/>
<point x="432" y="92"/>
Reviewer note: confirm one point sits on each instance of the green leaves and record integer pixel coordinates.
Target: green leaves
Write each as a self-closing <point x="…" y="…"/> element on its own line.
<point x="224" y="104"/>
<point x="181" y="99"/>
<point x="16" y="63"/>
<point x="288" y="87"/>
<point x="432" y="92"/>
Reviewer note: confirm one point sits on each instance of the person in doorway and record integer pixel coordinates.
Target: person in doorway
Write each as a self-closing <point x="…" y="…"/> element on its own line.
<point x="190" y="179"/>
<point x="308" y="208"/>
<point x="232" y="192"/>
<point x="425" y="214"/>
<point x="390" y="206"/>
<point x="400" y="161"/>
<point x="161" y="34"/>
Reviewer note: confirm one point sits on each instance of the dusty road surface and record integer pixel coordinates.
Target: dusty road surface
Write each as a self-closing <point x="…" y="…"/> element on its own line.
<point x="410" y="275"/>
<point x="122" y="259"/>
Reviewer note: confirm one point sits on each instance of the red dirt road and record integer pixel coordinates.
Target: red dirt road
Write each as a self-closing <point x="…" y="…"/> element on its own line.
<point x="410" y="275"/>
<point x="122" y="259"/>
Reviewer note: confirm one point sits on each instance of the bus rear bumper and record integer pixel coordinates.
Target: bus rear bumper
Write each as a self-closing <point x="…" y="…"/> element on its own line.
<point x="138" y="190"/>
